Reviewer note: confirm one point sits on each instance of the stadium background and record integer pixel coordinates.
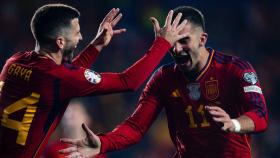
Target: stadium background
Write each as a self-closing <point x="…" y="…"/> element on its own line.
<point x="249" y="29"/>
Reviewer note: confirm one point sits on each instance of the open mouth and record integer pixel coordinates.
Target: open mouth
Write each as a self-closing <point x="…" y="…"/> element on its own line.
<point x="183" y="59"/>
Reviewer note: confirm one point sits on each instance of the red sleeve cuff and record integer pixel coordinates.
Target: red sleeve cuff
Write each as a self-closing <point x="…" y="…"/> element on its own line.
<point x="259" y="122"/>
<point x="86" y="57"/>
<point x="90" y="50"/>
<point x="104" y="143"/>
<point x="162" y="42"/>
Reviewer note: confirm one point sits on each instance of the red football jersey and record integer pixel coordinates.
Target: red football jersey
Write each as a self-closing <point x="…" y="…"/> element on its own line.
<point x="35" y="93"/>
<point x="225" y="81"/>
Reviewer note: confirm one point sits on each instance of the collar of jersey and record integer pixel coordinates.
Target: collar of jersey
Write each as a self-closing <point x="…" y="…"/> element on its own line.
<point x="207" y="65"/>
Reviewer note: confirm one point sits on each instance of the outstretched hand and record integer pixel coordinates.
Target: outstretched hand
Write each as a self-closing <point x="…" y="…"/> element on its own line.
<point x="86" y="147"/>
<point x="171" y="31"/>
<point x="106" y="29"/>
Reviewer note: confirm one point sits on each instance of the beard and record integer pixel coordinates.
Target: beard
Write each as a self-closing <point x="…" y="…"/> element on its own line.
<point x="68" y="51"/>
<point x="68" y="55"/>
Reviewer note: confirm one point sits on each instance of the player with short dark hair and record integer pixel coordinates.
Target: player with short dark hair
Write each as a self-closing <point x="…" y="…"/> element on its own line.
<point x="50" y="21"/>
<point x="213" y="103"/>
<point x="193" y="15"/>
<point x="36" y="86"/>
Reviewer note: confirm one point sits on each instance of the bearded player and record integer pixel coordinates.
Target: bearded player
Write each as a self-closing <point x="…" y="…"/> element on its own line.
<point x="36" y="86"/>
<point x="213" y="103"/>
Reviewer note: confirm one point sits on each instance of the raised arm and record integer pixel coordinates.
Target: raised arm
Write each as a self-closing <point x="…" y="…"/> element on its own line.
<point x="87" y="82"/>
<point x="134" y="76"/>
<point x="103" y="37"/>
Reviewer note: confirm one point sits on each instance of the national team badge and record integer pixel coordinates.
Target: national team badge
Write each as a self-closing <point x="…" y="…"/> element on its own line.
<point x="194" y="91"/>
<point x="250" y="77"/>
<point x="92" y="76"/>
<point x="212" y="89"/>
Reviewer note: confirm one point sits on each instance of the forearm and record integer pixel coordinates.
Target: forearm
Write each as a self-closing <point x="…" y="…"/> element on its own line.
<point x="98" y="46"/>
<point x="246" y="124"/>
<point x="86" y="57"/>
<point x="123" y="136"/>
<point x="260" y="121"/>
<point x="135" y="75"/>
<point x="134" y="128"/>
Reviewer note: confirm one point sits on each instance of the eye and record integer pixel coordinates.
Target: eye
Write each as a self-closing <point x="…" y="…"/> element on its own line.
<point x="184" y="40"/>
<point x="78" y="32"/>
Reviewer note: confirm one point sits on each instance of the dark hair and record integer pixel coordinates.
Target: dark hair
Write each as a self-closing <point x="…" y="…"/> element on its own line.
<point x="192" y="14"/>
<point x="48" y="21"/>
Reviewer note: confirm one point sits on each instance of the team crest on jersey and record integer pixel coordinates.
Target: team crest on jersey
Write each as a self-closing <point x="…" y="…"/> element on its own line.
<point x="92" y="76"/>
<point x="212" y="89"/>
<point x="194" y="91"/>
<point x="250" y="77"/>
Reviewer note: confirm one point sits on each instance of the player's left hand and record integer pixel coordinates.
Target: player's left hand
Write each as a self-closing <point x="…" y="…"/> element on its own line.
<point x="106" y="29"/>
<point x="219" y="115"/>
<point x="86" y="147"/>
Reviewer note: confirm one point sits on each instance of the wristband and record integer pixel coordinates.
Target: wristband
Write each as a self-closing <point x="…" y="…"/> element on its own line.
<point x="237" y="126"/>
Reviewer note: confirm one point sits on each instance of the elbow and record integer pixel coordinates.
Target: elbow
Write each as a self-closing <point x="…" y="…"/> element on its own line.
<point x="133" y="84"/>
<point x="260" y="122"/>
<point x="131" y="87"/>
<point x="139" y="137"/>
<point x="261" y="126"/>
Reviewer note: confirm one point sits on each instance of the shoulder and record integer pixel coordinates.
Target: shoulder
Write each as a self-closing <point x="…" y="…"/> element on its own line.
<point x="168" y="68"/>
<point x="162" y="72"/>
<point x="236" y="67"/>
<point x="17" y="56"/>
<point x="165" y="69"/>
<point x="232" y="62"/>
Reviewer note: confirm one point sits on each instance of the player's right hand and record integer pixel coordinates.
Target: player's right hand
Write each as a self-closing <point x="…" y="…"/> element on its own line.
<point x="171" y="30"/>
<point x="86" y="147"/>
<point x="106" y="29"/>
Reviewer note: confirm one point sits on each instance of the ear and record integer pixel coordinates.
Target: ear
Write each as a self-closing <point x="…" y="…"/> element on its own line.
<point x="203" y="39"/>
<point x="60" y="42"/>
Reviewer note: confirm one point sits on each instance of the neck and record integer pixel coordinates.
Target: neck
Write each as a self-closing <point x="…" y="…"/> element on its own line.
<point x="55" y="55"/>
<point x="203" y="57"/>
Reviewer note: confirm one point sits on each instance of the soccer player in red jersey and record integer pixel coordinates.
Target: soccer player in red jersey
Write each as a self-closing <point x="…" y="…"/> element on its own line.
<point x="36" y="86"/>
<point x="213" y="103"/>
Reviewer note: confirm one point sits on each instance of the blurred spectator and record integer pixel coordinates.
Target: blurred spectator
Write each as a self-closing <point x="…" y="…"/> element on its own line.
<point x="70" y="126"/>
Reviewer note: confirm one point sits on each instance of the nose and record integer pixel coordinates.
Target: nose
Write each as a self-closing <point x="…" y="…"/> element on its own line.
<point x="81" y="37"/>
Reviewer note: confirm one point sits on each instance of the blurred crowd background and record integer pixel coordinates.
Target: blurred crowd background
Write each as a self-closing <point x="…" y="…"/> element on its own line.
<point x="246" y="28"/>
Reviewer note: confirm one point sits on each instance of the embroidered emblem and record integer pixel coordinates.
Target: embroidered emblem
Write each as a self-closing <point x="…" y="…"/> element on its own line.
<point x="212" y="89"/>
<point x="194" y="91"/>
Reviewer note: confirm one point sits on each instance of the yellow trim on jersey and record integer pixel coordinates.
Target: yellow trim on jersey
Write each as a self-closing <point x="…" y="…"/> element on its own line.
<point x="175" y="93"/>
<point x="207" y="66"/>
